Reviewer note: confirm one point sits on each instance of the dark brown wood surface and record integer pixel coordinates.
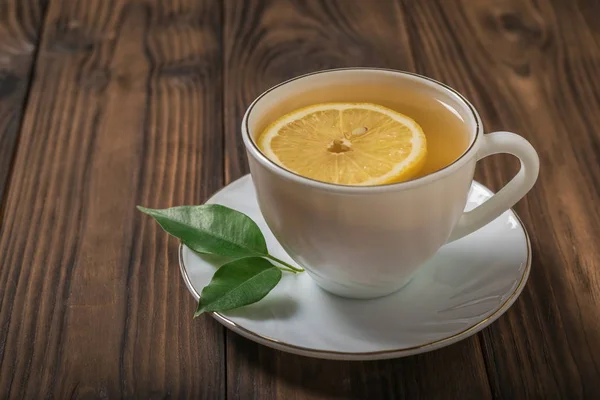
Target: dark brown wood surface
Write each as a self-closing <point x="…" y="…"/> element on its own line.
<point x="20" y="25"/>
<point x="105" y="104"/>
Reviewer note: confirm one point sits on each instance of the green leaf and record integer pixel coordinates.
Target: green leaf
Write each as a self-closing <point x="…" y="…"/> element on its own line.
<point x="212" y="229"/>
<point x="238" y="283"/>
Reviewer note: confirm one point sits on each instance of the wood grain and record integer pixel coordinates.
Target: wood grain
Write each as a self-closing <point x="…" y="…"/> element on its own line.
<point x="139" y="102"/>
<point x="20" y="24"/>
<point x="545" y="58"/>
<point x="532" y="70"/>
<point x="125" y="109"/>
<point x="266" y="42"/>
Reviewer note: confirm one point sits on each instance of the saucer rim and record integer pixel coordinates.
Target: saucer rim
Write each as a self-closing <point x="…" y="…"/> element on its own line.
<point x="370" y="355"/>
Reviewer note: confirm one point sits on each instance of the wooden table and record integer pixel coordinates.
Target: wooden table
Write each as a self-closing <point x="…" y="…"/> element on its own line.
<point x="106" y="104"/>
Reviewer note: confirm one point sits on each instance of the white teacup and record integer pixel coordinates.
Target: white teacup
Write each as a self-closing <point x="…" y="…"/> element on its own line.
<point x="366" y="242"/>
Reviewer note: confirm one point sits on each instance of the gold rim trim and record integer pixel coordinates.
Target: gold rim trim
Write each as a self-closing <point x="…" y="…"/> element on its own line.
<point x="394" y="352"/>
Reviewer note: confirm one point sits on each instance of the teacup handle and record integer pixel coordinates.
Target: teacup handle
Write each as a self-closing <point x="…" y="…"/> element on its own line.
<point x="494" y="143"/>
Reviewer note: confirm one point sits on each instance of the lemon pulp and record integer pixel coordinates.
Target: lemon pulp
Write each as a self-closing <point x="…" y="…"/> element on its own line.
<point x="346" y="143"/>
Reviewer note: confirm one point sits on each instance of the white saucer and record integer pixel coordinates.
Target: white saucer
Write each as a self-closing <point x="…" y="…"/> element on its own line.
<point x="468" y="285"/>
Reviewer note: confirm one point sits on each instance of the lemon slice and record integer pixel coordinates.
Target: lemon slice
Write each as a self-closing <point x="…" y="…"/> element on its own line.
<point x="346" y="143"/>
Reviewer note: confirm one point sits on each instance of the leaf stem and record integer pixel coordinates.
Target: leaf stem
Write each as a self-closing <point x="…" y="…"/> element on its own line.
<point x="290" y="267"/>
<point x="286" y="269"/>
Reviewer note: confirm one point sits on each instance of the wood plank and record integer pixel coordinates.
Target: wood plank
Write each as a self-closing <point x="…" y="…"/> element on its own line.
<point x="265" y="43"/>
<point x="561" y="100"/>
<point x="125" y="109"/>
<point x="20" y="22"/>
<point x="531" y="67"/>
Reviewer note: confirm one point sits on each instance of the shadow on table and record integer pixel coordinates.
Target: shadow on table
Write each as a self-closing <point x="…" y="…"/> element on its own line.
<point x="262" y="372"/>
<point x="274" y="306"/>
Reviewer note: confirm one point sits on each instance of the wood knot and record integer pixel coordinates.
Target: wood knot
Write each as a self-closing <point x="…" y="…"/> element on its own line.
<point x="512" y="24"/>
<point x="184" y="72"/>
<point x="70" y="37"/>
<point x="8" y="83"/>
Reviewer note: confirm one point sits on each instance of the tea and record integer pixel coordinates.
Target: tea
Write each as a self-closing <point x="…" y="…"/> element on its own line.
<point x="443" y="127"/>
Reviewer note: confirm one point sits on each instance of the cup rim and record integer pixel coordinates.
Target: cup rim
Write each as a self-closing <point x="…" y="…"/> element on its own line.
<point x="253" y="149"/>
